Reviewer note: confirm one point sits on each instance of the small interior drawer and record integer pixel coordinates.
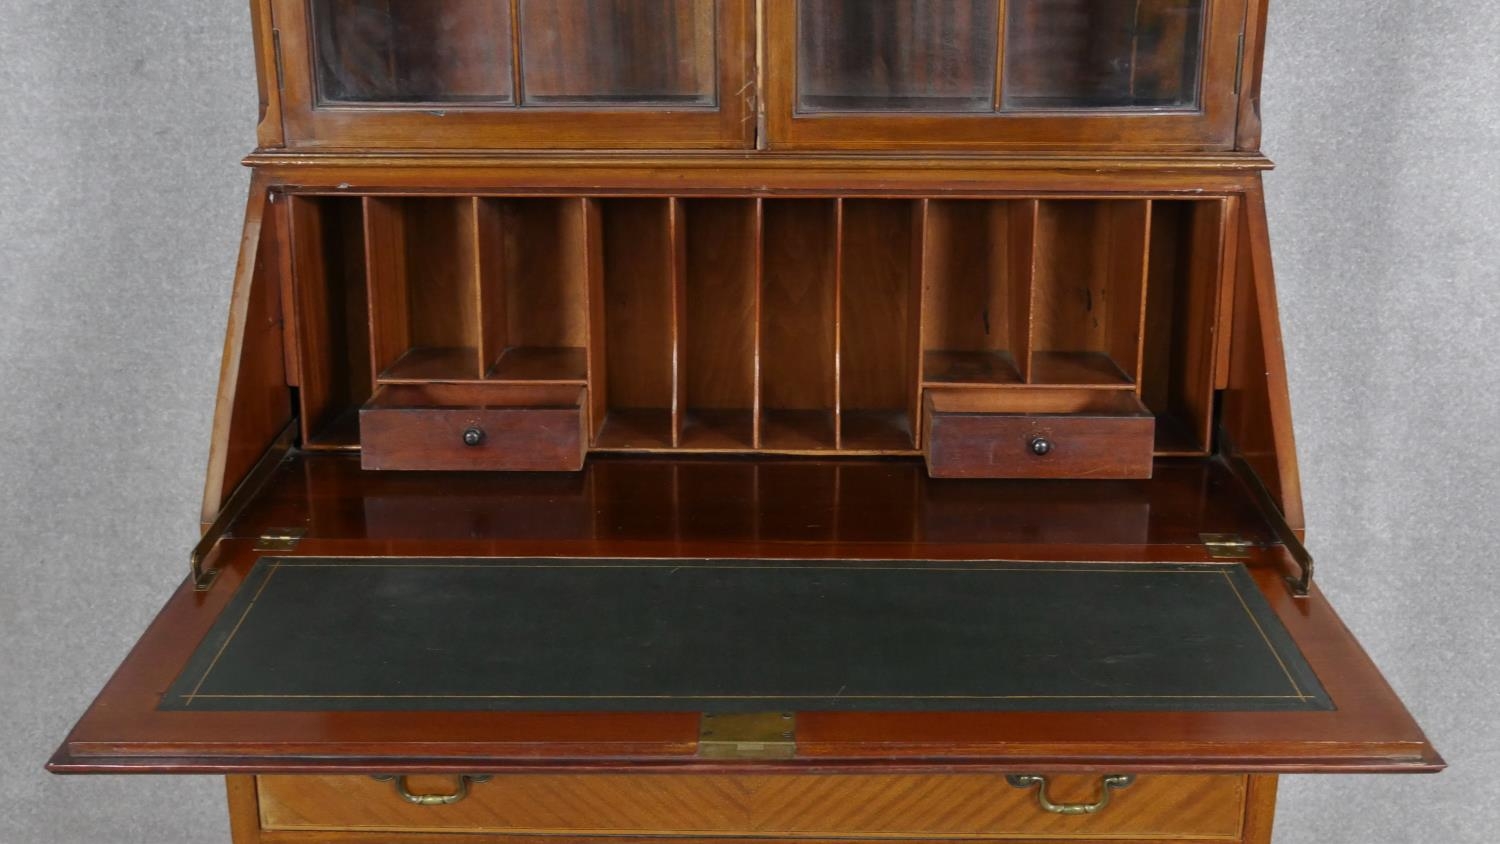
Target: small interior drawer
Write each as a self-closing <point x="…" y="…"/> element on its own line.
<point x="482" y="427"/>
<point x="779" y="805"/>
<point x="1037" y="433"/>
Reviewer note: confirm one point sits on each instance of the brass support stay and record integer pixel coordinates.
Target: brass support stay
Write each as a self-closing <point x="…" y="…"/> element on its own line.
<point x="234" y="507"/>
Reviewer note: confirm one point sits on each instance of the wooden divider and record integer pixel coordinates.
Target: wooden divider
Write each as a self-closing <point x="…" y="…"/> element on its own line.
<point x="739" y="324"/>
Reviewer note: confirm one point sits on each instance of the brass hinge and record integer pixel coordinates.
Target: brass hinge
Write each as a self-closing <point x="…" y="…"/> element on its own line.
<point x="280" y="539"/>
<point x="759" y="735"/>
<point x="1226" y="546"/>
<point x="1239" y="63"/>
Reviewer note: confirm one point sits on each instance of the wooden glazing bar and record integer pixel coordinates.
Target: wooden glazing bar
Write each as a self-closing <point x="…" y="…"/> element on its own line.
<point x="517" y="77"/>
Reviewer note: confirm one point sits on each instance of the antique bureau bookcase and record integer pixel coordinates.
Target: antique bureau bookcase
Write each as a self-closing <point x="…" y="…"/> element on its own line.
<point x="752" y="419"/>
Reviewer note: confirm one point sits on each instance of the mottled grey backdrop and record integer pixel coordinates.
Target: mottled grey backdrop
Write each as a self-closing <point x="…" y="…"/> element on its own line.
<point x="121" y="124"/>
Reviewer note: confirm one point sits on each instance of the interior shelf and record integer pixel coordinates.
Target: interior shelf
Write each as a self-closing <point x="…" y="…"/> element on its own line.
<point x="568" y="365"/>
<point x="949" y="368"/>
<point x="799" y="430"/>
<point x="637" y="429"/>
<point x="718" y="430"/>
<point x="1078" y="369"/>
<point x="804" y="325"/>
<point x="876" y="431"/>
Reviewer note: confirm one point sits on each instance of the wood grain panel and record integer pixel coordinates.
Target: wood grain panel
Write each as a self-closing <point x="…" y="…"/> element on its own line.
<point x="878" y="355"/>
<point x="638" y="303"/>
<point x="522" y="428"/>
<point x="1093" y="434"/>
<point x="1257" y="412"/>
<point x="253" y="404"/>
<point x="797" y="306"/>
<point x="1088" y="289"/>
<point x="1177" y="377"/>
<point x="969" y="806"/>
<point x="545" y="274"/>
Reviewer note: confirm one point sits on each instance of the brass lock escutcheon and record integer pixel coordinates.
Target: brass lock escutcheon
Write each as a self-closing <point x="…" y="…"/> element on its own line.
<point x="1107" y="786"/>
<point x="458" y="794"/>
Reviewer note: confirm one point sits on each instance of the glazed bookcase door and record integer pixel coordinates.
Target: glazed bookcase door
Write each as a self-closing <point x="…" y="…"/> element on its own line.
<point x="1126" y="74"/>
<point x="516" y="73"/>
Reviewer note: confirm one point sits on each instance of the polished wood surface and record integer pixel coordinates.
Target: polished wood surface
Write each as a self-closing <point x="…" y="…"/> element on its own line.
<point x="1257" y="414"/>
<point x="818" y="334"/>
<point x="478" y="427"/>
<point x="310" y="124"/>
<point x="254" y="403"/>
<point x="1211" y="126"/>
<point x="780" y="267"/>
<point x="1046" y="434"/>
<point x="806" y="806"/>
<point x="643" y="507"/>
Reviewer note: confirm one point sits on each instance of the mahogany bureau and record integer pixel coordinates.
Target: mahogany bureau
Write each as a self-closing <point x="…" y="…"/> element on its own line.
<point x="752" y="419"/>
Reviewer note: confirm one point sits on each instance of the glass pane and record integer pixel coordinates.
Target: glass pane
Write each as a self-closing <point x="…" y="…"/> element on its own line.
<point x="618" y="52"/>
<point x="1077" y="54"/>
<point x="896" y="55"/>
<point x="413" y="51"/>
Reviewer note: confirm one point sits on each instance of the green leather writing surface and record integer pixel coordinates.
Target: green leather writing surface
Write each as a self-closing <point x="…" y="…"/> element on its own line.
<point x="744" y="635"/>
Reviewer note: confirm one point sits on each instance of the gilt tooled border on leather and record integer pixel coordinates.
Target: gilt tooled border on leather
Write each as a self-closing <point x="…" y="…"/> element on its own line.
<point x="326" y="634"/>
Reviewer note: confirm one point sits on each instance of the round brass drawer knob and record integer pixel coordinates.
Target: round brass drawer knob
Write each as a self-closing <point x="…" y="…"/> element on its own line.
<point x="474" y="437"/>
<point x="1041" y="446"/>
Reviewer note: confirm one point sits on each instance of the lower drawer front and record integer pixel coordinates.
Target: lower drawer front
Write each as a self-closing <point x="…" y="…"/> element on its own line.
<point x="958" y="805"/>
